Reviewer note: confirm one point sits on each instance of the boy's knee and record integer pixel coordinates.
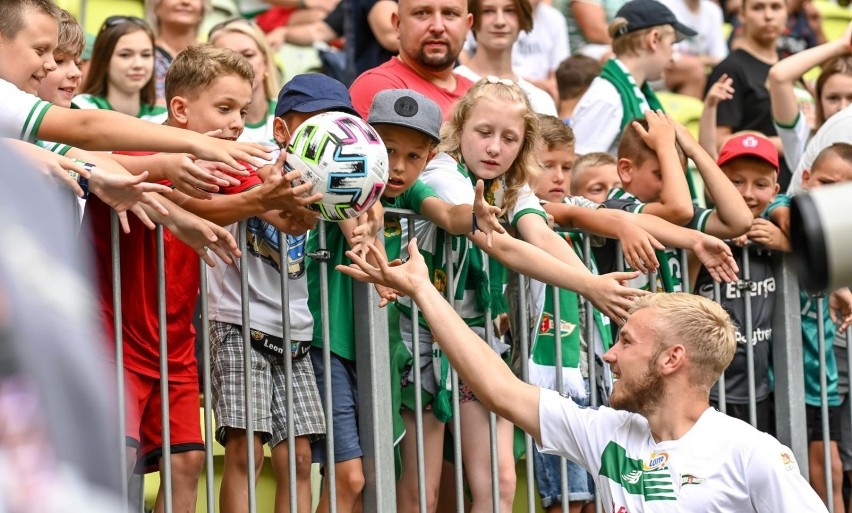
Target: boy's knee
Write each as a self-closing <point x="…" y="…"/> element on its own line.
<point x="303" y="461"/>
<point x="188" y="464"/>
<point x="351" y="479"/>
<point x="507" y="483"/>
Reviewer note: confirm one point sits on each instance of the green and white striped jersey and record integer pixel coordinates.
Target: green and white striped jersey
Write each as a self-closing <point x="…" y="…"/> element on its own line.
<point x="22" y="113"/>
<point x="152" y="113"/>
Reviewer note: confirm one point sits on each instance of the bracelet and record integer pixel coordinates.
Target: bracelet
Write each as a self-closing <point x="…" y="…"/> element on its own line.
<point x="473" y="227"/>
<point x="303" y="4"/>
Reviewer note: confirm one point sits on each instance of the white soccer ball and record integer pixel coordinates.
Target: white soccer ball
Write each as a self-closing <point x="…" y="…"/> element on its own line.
<point x="342" y="157"/>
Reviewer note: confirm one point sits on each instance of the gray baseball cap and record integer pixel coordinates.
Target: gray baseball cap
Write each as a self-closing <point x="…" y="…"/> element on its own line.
<point x="404" y="107"/>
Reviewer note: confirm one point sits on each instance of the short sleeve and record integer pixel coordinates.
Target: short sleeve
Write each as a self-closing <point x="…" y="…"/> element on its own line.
<point x="699" y="219"/>
<point x="775" y="483"/>
<point x="443" y="176"/>
<point x="527" y="203"/>
<point x="416" y="195"/>
<point x="632" y="206"/>
<point x="22" y="113"/>
<point x="781" y="200"/>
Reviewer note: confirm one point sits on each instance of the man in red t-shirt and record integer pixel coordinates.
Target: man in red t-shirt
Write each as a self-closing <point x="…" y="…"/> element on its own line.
<point x="209" y="91"/>
<point x="431" y="35"/>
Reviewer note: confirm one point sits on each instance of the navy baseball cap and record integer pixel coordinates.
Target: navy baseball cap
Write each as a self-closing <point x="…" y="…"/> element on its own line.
<point x="641" y="14"/>
<point x="312" y="92"/>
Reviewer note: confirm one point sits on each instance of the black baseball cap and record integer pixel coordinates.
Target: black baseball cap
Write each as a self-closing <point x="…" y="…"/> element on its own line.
<point x="642" y="14"/>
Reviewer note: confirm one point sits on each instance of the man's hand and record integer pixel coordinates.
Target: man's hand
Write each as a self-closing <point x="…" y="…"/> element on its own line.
<point x="766" y="233"/>
<point x="201" y="235"/>
<point x="638" y="248"/>
<point x="716" y="257"/>
<point x="660" y="133"/>
<point x="486" y="214"/>
<point x="407" y="278"/>
<point x="611" y="297"/>
<point x="126" y="192"/>
<point x="198" y="178"/>
<point x="840" y="308"/>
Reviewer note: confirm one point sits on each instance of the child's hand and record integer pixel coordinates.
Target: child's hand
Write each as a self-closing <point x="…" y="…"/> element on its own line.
<point x="486" y="214"/>
<point x="741" y="241"/>
<point x="840" y="308"/>
<point x="367" y="229"/>
<point x="387" y="294"/>
<point x="686" y="141"/>
<point x="717" y="258"/>
<point x="721" y="91"/>
<point x="660" y="133"/>
<point x="638" y="248"/>
<point x="202" y="235"/>
<point x="766" y="233"/>
<point x="609" y="295"/>
<point x="280" y="194"/>
<point x="125" y="192"/>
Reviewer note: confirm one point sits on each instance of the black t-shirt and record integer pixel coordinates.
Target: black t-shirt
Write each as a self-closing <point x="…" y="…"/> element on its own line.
<point x="750" y="108"/>
<point x="367" y="51"/>
<point x="762" y="289"/>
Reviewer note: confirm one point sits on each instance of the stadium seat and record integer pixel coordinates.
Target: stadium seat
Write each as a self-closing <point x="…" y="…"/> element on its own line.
<point x="686" y="110"/>
<point x="835" y="18"/>
<point x="99" y="10"/>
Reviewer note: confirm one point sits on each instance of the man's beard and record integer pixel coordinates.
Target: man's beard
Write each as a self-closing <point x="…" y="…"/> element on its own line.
<point x="437" y="62"/>
<point x="641" y="397"/>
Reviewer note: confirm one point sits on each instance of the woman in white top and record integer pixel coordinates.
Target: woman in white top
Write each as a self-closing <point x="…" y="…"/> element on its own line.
<point x="496" y="26"/>
<point x="246" y="38"/>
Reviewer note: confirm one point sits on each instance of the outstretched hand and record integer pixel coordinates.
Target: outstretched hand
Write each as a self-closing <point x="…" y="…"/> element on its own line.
<point x="721" y="90"/>
<point x="610" y="295"/>
<point x="406" y="278"/>
<point x="638" y="248"/>
<point x="717" y="258"/>
<point x="661" y="130"/>
<point x="486" y="214"/>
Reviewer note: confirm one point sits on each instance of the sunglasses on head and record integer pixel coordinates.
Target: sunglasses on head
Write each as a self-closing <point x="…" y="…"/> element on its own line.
<point x="222" y="24"/>
<point x="114" y="21"/>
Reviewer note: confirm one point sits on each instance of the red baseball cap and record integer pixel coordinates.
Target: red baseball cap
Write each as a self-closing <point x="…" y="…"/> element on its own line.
<point x="750" y="145"/>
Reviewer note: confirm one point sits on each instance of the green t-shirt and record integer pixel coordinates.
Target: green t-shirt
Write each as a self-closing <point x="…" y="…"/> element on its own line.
<point x="341" y="318"/>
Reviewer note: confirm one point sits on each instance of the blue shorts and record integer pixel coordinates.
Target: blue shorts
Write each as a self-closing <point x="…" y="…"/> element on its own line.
<point x="548" y="477"/>
<point x="344" y="399"/>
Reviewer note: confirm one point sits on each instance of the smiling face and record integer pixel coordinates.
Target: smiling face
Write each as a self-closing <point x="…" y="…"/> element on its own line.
<point x="27" y="58"/>
<point x="132" y="63"/>
<point x="432" y="32"/>
<point x="60" y="85"/>
<point x="408" y="153"/>
<point x="755" y="181"/>
<point x="640" y="385"/>
<point x="554" y="183"/>
<point x="491" y="137"/>
<point x="498" y="26"/>
<point x="221" y="106"/>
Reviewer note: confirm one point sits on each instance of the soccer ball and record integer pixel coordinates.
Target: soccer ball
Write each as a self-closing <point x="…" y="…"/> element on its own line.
<point x="342" y="157"/>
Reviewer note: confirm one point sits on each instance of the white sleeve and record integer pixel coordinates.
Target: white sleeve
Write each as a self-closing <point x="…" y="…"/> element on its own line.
<point x="443" y="176"/>
<point x="774" y="482"/>
<point x="794" y="139"/>
<point x="21" y="114"/>
<point x="527" y="203"/>
<point x="837" y="129"/>
<point x="580" y="434"/>
<point x="561" y="51"/>
<point x="718" y="47"/>
<point x="597" y="118"/>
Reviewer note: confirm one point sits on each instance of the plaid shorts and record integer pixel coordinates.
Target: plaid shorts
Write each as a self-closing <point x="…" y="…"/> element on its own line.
<point x="270" y="386"/>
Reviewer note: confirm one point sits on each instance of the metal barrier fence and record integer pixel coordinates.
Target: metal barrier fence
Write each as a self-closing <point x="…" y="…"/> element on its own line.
<point x="374" y="379"/>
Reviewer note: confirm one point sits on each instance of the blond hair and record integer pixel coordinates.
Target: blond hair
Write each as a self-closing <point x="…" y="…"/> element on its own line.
<point x="197" y="67"/>
<point x="526" y="169"/>
<point x="585" y="162"/>
<point x="554" y="132"/>
<point x="632" y="43"/>
<point x="250" y="29"/>
<point x="700" y="325"/>
<point x="71" y="39"/>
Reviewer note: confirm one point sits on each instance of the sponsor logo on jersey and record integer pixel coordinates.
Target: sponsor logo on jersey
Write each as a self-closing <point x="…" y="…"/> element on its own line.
<point x="756" y="288"/>
<point x="440" y="280"/>
<point x="689" y="479"/>
<point x="757" y="335"/>
<point x="632" y="477"/>
<point x="656" y="461"/>
<point x="393" y="228"/>
<point x="788" y="461"/>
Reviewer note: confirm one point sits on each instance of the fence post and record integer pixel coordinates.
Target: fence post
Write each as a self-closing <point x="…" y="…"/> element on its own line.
<point x="787" y="362"/>
<point x="375" y="422"/>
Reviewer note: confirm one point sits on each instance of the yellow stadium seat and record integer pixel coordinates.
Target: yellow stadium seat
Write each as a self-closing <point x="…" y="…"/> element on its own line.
<point x="835" y="18"/>
<point x="686" y="110"/>
<point x="96" y="11"/>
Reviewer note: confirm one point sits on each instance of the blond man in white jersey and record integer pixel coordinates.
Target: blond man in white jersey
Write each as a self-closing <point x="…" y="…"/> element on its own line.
<point x="661" y="447"/>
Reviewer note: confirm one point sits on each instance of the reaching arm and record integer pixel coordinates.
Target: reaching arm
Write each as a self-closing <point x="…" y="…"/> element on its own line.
<point x="720" y="91"/>
<point x="732" y="216"/>
<point x="458" y="219"/>
<point x="93" y="129"/>
<point x="487" y="375"/>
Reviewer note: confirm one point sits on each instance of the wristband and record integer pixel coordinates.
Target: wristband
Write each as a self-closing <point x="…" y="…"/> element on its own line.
<point x="82" y="181"/>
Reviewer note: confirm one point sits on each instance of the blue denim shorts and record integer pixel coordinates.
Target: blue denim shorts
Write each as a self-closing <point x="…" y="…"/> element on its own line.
<point x="548" y="478"/>
<point x="344" y="398"/>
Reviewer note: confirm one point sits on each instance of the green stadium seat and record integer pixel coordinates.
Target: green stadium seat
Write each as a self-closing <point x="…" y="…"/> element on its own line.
<point x="99" y="10"/>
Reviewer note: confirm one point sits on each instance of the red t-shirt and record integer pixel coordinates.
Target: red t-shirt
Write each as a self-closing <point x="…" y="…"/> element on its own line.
<point x="395" y="74"/>
<point x="140" y="325"/>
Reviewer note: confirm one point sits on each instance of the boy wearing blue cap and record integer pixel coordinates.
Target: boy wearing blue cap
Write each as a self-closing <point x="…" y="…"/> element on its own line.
<point x="304" y="96"/>
<point x="409" y="124"/>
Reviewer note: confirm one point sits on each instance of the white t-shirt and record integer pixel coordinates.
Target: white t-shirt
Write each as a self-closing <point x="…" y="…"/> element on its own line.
<point x="720" y="465"/>
<point x="838" y="128"/>
<point x="264" y="283"/>
<point x="541" y="102"/>
<point x="597" y="119"/>
<point x="22" y="113"/>
<point x="539" y="52"/>
<point x="261" y="133"/>
<point x="707" y="22"/>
